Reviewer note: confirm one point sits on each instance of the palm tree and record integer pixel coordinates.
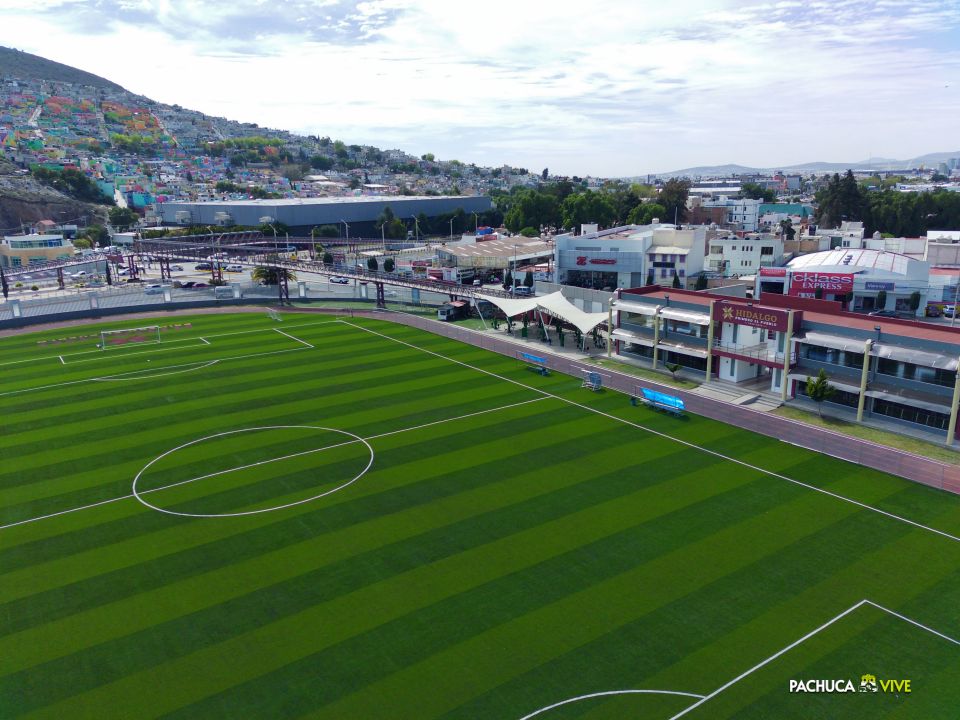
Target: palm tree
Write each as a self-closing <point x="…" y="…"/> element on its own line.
<point x="269" y="275"/>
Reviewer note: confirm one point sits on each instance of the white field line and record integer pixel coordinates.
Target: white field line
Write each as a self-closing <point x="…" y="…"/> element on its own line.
<point x="264" y="462"/>
<point x="103" y="378"/>
<point x="166" y="342"/>
<point x="742" y="463"/>
<point x="792" y="645"/>
<point x="190" y="367"/>
<point x="168" y="347"/>
<point x="913" y="622"/>
<point x="607" y="693"/>
<point x="768" y="660"/>
<point x="304" y="342"/>
<point x="204" y="340"/>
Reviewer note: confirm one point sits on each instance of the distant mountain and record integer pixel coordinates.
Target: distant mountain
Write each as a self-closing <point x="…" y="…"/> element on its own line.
<point x="18" y="64"/>
<point x="870" y="165"/>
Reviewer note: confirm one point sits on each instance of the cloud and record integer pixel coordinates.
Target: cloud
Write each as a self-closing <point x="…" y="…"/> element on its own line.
<point x="612" y="88"/>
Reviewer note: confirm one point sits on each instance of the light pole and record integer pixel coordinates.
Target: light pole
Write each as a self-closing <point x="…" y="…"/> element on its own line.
<point x="451" y="229"/>
<point x="513" y="278"/>
<point x="476" y="223"/>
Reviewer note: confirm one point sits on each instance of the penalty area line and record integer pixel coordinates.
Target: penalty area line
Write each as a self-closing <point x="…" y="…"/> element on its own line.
<point x="303" y="342"/>
<point x="608" y="693"/>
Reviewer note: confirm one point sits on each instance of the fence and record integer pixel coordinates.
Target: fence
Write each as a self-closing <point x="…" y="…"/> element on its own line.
<point x="862" y="452"/>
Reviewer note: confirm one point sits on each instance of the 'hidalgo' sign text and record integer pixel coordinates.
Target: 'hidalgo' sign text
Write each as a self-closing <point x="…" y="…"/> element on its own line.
<point x="767" y="318"/>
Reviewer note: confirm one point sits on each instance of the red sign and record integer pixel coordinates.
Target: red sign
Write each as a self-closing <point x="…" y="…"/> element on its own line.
<point x="582" y="260"/>
<point x="773" y="272"/>
<point x="753" y="315"/>
<point x="810" y="282"/>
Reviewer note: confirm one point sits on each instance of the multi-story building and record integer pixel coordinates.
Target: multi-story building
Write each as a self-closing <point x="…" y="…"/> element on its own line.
<point x="739" y="213"/>
<point x="18" y="251"/>
<point x="899" y="371"/>
<point x="743" y="255"/>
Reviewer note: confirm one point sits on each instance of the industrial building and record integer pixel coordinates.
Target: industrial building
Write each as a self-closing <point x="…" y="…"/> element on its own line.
<point x="355" y="216"/>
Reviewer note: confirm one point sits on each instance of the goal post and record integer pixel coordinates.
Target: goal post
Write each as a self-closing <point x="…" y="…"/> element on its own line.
<point x="129" y="336"/>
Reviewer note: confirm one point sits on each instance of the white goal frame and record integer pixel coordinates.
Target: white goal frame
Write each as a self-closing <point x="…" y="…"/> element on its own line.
<point x="149" y="333"/>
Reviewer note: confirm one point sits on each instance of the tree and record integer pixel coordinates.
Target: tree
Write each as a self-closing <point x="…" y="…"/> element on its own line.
<point x="914" y="301"/>
<point x="528" y="279"/>
<point x="73" y="183"/>
<point x="650" y="277"/>
<point x="786" y="229"/>
<point x="673" y="368"/>
<point x="881" y="301"/>
<point x="508" y="280"/>
<point x="587" y="207"/>
<point x="645" y="213"/>
<point x="372" y="264"/>
<point x="701" y="282"/>
<point x="328" y="231"/>
<point x="123" y="218"/>
<point x="819" y="389"/>
<point x="81" y="243"/>
<point x="427" y="157"/>
<point x="673" y="197"/>
<point x="321" y="162"/>
<point x="545" y="173"/>
<point x="530" y="232"/>
<point x="269" y="275"/>
<point x="99" y="236"/>
<point x="676" y="280"/>
<point x="842" y="199"/>
<point x="327" y="259"/>
<point x="388" y="265"/>
<point x="755" y="192"/>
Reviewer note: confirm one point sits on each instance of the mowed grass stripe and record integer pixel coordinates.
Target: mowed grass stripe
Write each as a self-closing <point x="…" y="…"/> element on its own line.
<point x="226" y="415"/>
<point x="385" y="599"/>
<point x="316" y="546"/>
<point x="396" y="410"/>
<point x="629" y="655"/>
<point x="867" y="576"/>
<point x="72" y="534"/>
<point x="359" y="661"/>
<point x="246" y="612"/>
<point x="479" y="664"/>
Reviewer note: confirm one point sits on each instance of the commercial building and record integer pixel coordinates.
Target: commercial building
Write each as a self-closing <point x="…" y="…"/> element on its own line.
<point x="858" y="278"/>
<point x="626" y="256"/>
<point x="18" y="251"/>
<point x="900" y="371"/>
<point x="355" y="216"/>
<point x="739" y="213"/>
<point x="497" y="254"/>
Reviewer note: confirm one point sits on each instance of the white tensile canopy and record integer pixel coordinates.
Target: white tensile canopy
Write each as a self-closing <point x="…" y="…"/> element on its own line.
<point x="555" y="304"/>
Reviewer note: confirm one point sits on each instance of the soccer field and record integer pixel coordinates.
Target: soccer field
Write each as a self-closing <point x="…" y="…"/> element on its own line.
<point x="353" y="519"/>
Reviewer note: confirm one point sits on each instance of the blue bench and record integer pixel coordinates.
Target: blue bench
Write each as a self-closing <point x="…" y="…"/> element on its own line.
<point x="659" y="401"/>
<point x="535" y="362"/>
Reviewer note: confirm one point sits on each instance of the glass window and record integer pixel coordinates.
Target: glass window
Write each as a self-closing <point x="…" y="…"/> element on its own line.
<point x="919" y="416"/>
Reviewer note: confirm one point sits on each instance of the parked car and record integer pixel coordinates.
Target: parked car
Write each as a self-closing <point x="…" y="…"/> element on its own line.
<point x="948" y="310"/>
<point x="153" y="290"/>
<point x="933" y="311"/>
<point x="340" y="280"/>
<point x="884" y="313"/>
<point x="177" y="268"/>
<point x="234" y="268"/>
<point x="80" y="274"/>
<point x="189" y="285"/>
<point x="203" y="266"/>
<point x="123" y="271"/>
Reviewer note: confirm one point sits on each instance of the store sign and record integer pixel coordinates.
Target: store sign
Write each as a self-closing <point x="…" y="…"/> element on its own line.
<point x="888" y="286"/>
<point x="584" y="260"/>
<point x="773" y="272"/>
<point x="767" y="318"/>
<point x="810" y="282"/>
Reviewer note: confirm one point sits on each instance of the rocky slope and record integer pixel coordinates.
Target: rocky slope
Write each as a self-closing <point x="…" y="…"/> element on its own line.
<point x="23" y="201"/>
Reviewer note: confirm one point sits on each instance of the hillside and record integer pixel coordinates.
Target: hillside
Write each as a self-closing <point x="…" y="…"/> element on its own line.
<point x="18" y="64"/>
<point x="23" y="201"/>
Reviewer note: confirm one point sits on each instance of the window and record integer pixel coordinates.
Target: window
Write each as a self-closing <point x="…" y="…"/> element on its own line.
<point x="915" y="415"/>
<point x="918" y="373"/>
<point x="842" y="397"/>
<point x="766" y="250"/>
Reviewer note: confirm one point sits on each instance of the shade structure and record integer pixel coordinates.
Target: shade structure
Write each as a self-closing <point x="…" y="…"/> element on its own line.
<point x="555" y="304"/>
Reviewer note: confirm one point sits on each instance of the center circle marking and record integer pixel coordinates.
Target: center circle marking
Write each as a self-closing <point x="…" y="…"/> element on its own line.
<point x="138" y="494"/>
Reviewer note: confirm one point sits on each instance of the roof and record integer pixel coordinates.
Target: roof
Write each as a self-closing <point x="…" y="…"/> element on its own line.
<point x="349" y="200"/>
<point x="858" y="258"/>
<point x="507" y="248"/>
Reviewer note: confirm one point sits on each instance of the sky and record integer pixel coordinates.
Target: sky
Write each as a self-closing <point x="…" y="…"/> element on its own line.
<point x="608" y="88"/>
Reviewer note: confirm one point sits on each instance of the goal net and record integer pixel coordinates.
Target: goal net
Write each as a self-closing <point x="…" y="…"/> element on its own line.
<point x="130" y="336"/>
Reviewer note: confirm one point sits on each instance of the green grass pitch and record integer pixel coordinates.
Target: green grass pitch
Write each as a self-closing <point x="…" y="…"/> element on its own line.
<point x="353" y="519"/>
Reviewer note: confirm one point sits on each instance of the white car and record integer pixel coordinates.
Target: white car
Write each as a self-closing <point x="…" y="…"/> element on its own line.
<point x="234" y="268"/>
<point x="176" y="268"/>
<point x="340" y="280"/>
<point x="80" y="274"/>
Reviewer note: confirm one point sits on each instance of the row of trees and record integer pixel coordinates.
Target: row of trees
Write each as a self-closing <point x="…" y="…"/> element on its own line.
<point x="73" y="183"/>
<point x="897" y="214"/>
<point x="567" y="205"/>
